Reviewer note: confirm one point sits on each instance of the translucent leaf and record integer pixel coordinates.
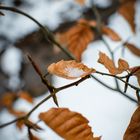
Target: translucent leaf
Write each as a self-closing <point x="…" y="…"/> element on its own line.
<point x="110" y="33"/>
<point x="69" y="125"/>
<point x="70" y="69"/>
<point x="133" y="49"/>
<point x="133" y="129"/>
<point x="127" y="10"/>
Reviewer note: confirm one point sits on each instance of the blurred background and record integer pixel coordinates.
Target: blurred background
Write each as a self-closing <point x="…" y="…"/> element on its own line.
<point x="108" y="112"/>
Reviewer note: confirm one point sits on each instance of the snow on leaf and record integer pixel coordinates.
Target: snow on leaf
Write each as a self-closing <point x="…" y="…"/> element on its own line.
<point x="69" y="125"/>
<point x="70" y="69"/>
<point x="127" y="10"/>
<point x="110" y="33"/>
<point x="133" y="129"/>
<point x="77" y="38"/>
<point x="132" y="48"/>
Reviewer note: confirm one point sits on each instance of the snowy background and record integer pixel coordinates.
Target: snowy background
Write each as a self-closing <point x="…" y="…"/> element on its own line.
<point x="108" y="112"/>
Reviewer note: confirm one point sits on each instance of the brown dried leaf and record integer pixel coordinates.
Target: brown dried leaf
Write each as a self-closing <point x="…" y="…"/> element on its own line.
<point x="26" y="96"/>
<point x="136" y="72"/>
<point x="81" y="2"/>
<point x="8" y="99"/>
<point x="133" y="49"/>
<point x="127" y="10"/>
<point x="133" y="130"/>
<point x="77" y="37"/>
<point x="107" y="62"/>
<point x="69" y="69"/>
<point x="122" y="66"/>
<point x="69" y="125"/>
<point x="110" y="33"/>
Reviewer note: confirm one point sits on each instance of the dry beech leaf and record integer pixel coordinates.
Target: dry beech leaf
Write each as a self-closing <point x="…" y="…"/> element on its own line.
<point x="77" y="38"/>
<point x="136" y="72"/>
<point x="69" y="69"/>
<point x="69" y="125"/>
<point x="127" y="10"/>
<point x="8" y="99"/>
<point x="122" y="66"/>
<point x="110" y="33"/>
<point x="26" y="96"/>
<point x="81" y="2"/>
<point x="133" y="49"/>
<point x="109" y="64"/>
<point x="133" y="130"/>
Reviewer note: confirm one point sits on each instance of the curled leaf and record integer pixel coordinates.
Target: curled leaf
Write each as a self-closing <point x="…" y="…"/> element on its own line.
<point x="110" y="33"/>
<point x="107" y="62"/>
<point x="127" y="10"/>
<point x="133" y="129"/>
<point x="77" y="37"/>
<point x="70" y="69"/>
<point x="133" y="49"/>
<point x="69" y="125"/>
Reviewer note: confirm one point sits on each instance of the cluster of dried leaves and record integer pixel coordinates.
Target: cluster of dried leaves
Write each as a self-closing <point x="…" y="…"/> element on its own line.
<point x="77" y="38"/>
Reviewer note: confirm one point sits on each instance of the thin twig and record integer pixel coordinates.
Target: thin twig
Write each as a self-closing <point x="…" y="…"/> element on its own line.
<point x="119" y="78"/>
<point x="11" y="122"/>
<point x="48" y="35"/>
<point x="45" y="81"/>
